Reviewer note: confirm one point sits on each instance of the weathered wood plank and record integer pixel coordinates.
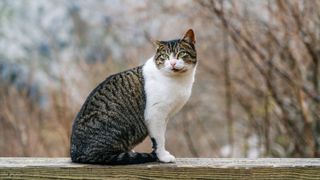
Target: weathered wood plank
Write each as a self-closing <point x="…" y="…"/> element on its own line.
<point x="203" y="168"/>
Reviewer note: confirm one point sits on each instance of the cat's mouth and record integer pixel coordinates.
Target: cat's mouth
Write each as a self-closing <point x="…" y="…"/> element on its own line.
<point x="179" y="70"/>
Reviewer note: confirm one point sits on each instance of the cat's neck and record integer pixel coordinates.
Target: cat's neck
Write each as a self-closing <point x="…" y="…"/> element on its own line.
<point x="151" y="69"/>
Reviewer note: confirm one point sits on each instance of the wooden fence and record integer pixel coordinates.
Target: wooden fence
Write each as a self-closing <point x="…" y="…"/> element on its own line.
<point x="184" y="168"/>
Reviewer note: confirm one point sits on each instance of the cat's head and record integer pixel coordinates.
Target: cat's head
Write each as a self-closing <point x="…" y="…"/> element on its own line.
<point x="178" y="56"/>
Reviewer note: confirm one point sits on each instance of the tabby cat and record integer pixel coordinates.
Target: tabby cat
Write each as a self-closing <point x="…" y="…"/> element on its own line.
<point x="127" y="107"/>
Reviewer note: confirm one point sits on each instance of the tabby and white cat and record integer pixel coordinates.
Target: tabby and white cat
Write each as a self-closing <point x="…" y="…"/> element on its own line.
<point x="127" y="107"/>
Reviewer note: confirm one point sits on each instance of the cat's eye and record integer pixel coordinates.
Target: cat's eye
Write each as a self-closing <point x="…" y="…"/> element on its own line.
<point x="183" y="54"/>
<point x="164" y="56"/>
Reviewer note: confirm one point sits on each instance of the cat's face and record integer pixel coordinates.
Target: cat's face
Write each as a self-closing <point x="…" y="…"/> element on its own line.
<point x="176" y="56"/>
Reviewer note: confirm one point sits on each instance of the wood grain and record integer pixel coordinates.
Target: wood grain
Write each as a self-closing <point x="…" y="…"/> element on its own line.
<point x="201" y="168"/>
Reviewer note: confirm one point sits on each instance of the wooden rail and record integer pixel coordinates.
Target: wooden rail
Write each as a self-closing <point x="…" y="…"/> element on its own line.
<point x="203" y="168"/>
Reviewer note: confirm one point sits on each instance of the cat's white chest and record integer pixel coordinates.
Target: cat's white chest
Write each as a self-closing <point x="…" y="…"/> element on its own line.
<point x="165" y="95"/>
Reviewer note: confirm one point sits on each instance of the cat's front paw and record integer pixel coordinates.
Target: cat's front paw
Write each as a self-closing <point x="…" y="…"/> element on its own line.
<point x="165" y="156"/>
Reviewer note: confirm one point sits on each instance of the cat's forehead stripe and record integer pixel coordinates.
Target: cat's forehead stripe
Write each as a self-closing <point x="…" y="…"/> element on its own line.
<point x="176" y="45"/>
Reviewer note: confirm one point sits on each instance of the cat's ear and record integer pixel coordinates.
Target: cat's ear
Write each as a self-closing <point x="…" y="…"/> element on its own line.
<point x="157" y="44"/>
<point x="189" y="36"/>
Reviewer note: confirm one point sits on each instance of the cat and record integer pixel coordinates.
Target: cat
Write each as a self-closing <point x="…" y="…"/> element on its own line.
<point x="127" y="107"/>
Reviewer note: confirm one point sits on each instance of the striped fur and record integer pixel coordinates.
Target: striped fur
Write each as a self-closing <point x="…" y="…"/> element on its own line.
<point x="111" y="122"/>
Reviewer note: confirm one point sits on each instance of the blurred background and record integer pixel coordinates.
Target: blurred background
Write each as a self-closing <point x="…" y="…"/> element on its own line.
<point x="257" y="88"/>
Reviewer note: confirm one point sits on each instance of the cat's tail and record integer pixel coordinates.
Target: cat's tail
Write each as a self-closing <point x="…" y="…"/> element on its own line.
<point x="117" y="159"/>
<point x="132" y="158"/>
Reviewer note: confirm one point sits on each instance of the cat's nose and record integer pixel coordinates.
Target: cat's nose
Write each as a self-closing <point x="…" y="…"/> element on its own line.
<point x="173" y="62"/>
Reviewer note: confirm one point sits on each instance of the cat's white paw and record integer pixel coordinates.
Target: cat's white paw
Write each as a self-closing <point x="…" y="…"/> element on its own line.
<point x="165" y="156"/>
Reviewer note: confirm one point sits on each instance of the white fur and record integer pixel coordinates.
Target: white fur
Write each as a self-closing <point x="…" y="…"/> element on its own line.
<point x="166" y="93"/>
